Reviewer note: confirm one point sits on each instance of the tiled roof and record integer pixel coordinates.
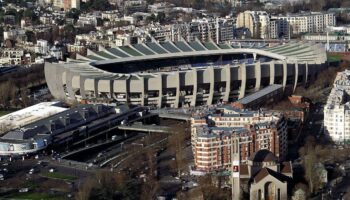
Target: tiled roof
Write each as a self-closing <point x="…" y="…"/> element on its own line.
<point x="264" y="172"/>
<point x="263" y="156"/>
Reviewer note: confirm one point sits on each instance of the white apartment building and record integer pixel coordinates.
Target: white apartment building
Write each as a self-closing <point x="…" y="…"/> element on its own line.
<point x="75" y="4"/>
<point x="313" y="22"/>
<point x="257" y="22"/>
<point x="110" y="15"/>
<point x="58" y="3"/>
<point x="261" y="25"/>
<point x="11" y="56"/>
<point x="86" y="19"/>
<point x="215" y="29"/>
<point x="337" y="109"/>
<point x="41" y="47"/>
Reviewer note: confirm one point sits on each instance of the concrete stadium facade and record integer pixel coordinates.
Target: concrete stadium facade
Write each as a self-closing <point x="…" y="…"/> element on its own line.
<point x="175" y="74"/>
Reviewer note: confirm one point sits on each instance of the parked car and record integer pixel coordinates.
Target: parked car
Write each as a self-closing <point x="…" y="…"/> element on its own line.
<point x="114" y="137"/>
<point x="2" y="177"/>
<point x="23" y="190"/>
<point x="33" y="170"/>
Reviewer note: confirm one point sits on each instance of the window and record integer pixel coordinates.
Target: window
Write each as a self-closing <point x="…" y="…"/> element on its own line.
<point x="279" y="194"/>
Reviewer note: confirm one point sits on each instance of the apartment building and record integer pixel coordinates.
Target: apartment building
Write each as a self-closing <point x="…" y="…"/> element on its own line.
<point x="11" y="56"/>
<point x="214" y="133"/>
<point x="215" y="29"/>
<point x="337" y="109"/>
<point x="67" y="4"/>
<point x="261" y="25"/>
<point x="313" y="22"/>
<point x="257" y="22"/>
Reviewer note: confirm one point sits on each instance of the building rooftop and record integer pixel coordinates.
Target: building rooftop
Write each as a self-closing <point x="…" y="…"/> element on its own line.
<point x="31" y="114"/>
<point x="257" y="95"/>
<point x="59" y="122"/>
<point x="263" y="156"/>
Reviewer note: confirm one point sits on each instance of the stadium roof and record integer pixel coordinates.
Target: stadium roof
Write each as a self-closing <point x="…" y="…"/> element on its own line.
<point x="149" y="51"/>
<point x="88" y="65"/>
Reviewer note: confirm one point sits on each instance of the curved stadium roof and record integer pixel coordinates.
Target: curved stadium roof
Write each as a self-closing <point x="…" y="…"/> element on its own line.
<point x="85" y="65"/>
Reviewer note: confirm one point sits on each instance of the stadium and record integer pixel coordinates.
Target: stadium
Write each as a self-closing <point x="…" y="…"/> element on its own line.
<point x="176" y="74"/>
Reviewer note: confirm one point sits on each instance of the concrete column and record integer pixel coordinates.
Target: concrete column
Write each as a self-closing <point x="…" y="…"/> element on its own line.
<point x="272" y="72"/>
<point x="306" y="74"/>
<point x="69" y="77"/>
<point x="228" y="83"/>
<point x="312" y="72"/>
<point x="211" y="89"/>
<point x="243" y="80"/>
<point x="111" y="93"/>
<point x="254" y="56"/>
<point x="195" y="86"/>
<point x="160" y="81"/>
<point x="142" y="85"/>
<point x="284" y="82"/>
<point x="257" y="75"/>
<point x="82" y="87"/>
<point x="177" y="98"/>
<point x="96" y="88"/>
<point x="53" y="76"/>
<point x="127" y="89"/>
<point x="296" y="71"/>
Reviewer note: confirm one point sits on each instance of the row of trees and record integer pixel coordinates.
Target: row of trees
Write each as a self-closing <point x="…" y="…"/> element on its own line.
<point x="20" y="14"/>
<point x="324" y="79"/>
<point x="315" y="5"/>
<point x="312" y="154"/>
<point x="93" y="5"/>
<point x="107" y="185"/>
<point x="14" y="87"/>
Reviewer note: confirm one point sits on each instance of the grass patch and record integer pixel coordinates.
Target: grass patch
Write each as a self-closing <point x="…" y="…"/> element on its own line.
<point x="334" y="57"/>
<point x="36" y="196"/>
<point x="57" y="175"/>
<point x="5" y="112"/>
<point x="31" y="185"/>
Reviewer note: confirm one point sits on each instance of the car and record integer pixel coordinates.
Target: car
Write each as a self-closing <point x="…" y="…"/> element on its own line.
<point x="33" y="171"/>
<point x="51" y="170"/>
<point x="2" y="177"/>
<point x="114" y="137"/>
<point x="22" y="190"/>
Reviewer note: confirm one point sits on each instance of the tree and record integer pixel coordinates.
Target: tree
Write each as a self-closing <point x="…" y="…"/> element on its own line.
<point x="160" y="17"/>
<point x="106" y="185"/>
<point x="73" y="13"/>
<point x="150" y="2"/>
<point x="30" y="36"/>
<point x="210" y="191"/>
<point x="310" y="159"/>
<point x="84" y="192"/>
<point x="92" y="5"/>
<point x="151" y="18"/>
<point x="1" y="34"/>
<point x="69" y="32"/>
<point x="297" y="195"/>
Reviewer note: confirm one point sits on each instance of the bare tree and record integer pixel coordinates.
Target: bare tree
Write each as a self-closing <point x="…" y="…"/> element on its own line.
<point x="84" y="192"/>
